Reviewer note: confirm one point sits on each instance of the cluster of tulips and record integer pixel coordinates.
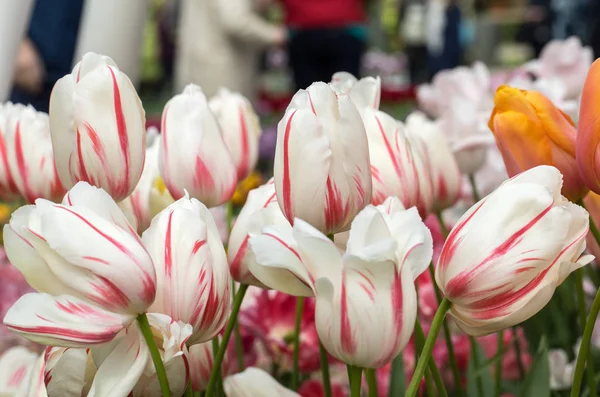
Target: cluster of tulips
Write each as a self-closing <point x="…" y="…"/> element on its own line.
<point x="372" y="237"/>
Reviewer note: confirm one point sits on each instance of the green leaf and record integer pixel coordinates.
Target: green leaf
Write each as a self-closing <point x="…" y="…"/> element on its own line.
<point x="537" y="382"/>
<point x="397" y="381"/>
<point x="477" y="373"/>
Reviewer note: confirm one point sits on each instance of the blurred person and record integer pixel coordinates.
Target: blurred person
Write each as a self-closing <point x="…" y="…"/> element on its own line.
<point x="326" y="36"/>
<point x="413" y="27"/>
<point x="444" y="20"/>
<point x="219" y="45"/>
<point x="46" y="54"/>
<point x="536" y="30"/>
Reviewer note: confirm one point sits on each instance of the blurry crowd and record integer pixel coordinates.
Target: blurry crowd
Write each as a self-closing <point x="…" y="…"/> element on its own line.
<point x="220" y="43"/>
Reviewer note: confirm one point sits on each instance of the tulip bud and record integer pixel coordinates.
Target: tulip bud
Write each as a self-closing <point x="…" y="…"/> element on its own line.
<point x="505" y="257"/>
<point x="531" y="131"/>
<point x="98" y="127"/>
<point x="364" y="93"/>
<point x="321" y="171"/>
<point x="193" y="154"/>
<point x="240" y="127"/>
<point x="442" y="168"/>
<point x="588" y="130"/>
<point x="193" y="281"/>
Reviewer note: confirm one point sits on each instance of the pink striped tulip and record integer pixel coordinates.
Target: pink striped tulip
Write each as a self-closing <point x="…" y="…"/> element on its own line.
<point x="192" y="274"/>
<point x="240" y="127"/>
<point x="98" y="127"/>
<point x="505" y="257"/>
<point x="261" y="209"/>
<point x="30" y="156"/>
<point x="587" y="144"/>
<point x="398" y="164"/>
<point x="9" y="112"/>
<point x="366" y="302"/>
<point x="193" y="153"/>
<point x="364" y="93"/>
<point x="255" y="382"/>
<point x="15" y="367"/>
<point x="442" y="168"/>
<point x="321" y="167"/>
<point x="93" y="274"/>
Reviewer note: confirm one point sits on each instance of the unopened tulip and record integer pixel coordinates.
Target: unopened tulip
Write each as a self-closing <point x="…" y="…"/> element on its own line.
<point x="365" y="92"/>
<point x="505" y="257"/>
<point x="240" y="127"/>
<point x="16" y="364"/>
<point x="193" y="153"/>
<point x="531" y="131"/>
<point x="30" y="156"/>
<point x="261" y="209"/>
<point x="442" y="168"/>
<point x="366" y="302"/>
<point x="98" y="127"/>
<point x="255" y="382"/>
<point x="322" y="172"/>
<point x="588" y="130"/>
<point x="398" y="165"/>
<point x="92" y="272"/>
<point x="192" y="274"/>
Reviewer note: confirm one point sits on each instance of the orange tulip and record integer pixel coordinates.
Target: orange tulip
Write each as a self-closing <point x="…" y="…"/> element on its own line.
<point x="588" y="134"/>
<point x="592" y="205"/>
<point x="531" y="131"/>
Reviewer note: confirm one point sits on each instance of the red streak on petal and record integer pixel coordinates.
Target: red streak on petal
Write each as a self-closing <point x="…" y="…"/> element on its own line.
<point x="12" y="187"/>
<point x="197" y="245"/>
<point x="203" y="179"/>
<point x="280" y="241"/>
<point x="242" y="168"/>
<point x="122" y="131"/>
<point x="287" y="182"/>
<point x="17" y="376"/>
<point x="346" y="338"/>
<point x="83" y="175"/>
<point x="336" y="210"/>
<point x="29" y="194"/>
<point x="71" y="334"/>
<point x="168" y="248"/>
<point x="236" y="264"/>
<point x="270" y="200"/>
<point x="96" y="259"/>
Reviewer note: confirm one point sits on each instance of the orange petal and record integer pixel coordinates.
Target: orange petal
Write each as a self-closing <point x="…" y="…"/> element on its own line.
<point x="588" y="134"/>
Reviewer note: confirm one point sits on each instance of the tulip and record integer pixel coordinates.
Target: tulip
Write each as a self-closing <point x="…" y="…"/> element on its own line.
<point x="261" y="209"/>
<point x="9" y="112"/>
<point x="366" y="302"/>
<point x="201" y="358"/>
<point x="505" y="257"/>
<point x="443" y="171"/>
<point x="30" y="156"/>
<point x="66" y="371"/>
<point x="588" y="135"/>
<point x="33" y="385"/>
<point x="322" y="173"/>
<point x="193" y="153"/>
<point x="365" y="92"/>
<point x="531" y="131"/>
<point x="240" y="127"/>
<point x="561" y="370"/>
<point x="255" y="382"/>
<point x="15" y="365"/>
<point x="398" y="165"/>
<point x="98" y="127"/>
<point x="93" y="275"/>
<point x="192" y="274"/>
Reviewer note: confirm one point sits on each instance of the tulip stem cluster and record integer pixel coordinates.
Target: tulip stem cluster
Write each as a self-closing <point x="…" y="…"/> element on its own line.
<point x="499" y="348"/>
<point x="239" y="347"/>
<point x="476" y="363"/>
<point x="325" y="370"/>
<point x="582" y="320"/>
<point x="355" y="374"/>
<point x="585" y="346"/>
<point x="161" y="373"/>
<point x="214" y="376"/>
<point x="371" y="377"/>
<point x="436" y="324"/>
<point x="297" y="330"/>
<point x="435" y="372"/>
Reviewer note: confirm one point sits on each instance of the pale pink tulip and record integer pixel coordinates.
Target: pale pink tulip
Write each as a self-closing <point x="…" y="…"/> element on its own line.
<point x="321" y="170"/>
<point x="98" y="127"/>
<point x="366" y="301"/>
<point x="240" y="127"/>
<point x="192" y="274"/>
<point x="505" y="257"/>
<point x="15" y="366"/>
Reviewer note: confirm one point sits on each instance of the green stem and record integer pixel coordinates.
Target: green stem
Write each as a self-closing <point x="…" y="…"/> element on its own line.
<point x="448" y="337"/>
<point x="161" y="374"/>
<point x="475" y="193"/>
<point x="585" y="346"/>
<point x="371" y="382"/>
<point x="436" y="324"/>
<point x="499" y="348"/>
<point x="297" y="330"/>
<point x="582" y="320"/>
<point x="398" y="379"/>
<point x="429" y="387"/>
<point x="517" y="347"/>
<point x="476" y="364"/>
<point x="215" y="349"/>
<point x="325" y="370"/>
<point x="239" y="347"/>
<point x="355" y="380"/>
<point x="237" y="303"/>
<point x="443" y="227"/>
<point x="189" y="392"/>
<point x="229" y="209"/>
<point x="594" y="229"/>
<point x="435" y="372"/>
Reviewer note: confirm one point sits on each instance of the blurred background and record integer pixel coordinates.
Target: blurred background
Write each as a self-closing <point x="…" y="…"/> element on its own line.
<point x="267" y="49"/>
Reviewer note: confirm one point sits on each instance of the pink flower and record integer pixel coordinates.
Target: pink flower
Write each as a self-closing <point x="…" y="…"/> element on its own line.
<point x="510" y="368"/>
<point x="314" y="388"/>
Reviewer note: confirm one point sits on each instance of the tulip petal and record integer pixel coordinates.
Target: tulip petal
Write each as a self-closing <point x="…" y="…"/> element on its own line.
<point x="588" y="137"/>
<point x="121" y="370"/>
<point x="63" y="321"/>
<point x="65" y="371"/>
<point x="255" y="382"/>
<point x="33" y="385"/>
<point x="15" y="365"/>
